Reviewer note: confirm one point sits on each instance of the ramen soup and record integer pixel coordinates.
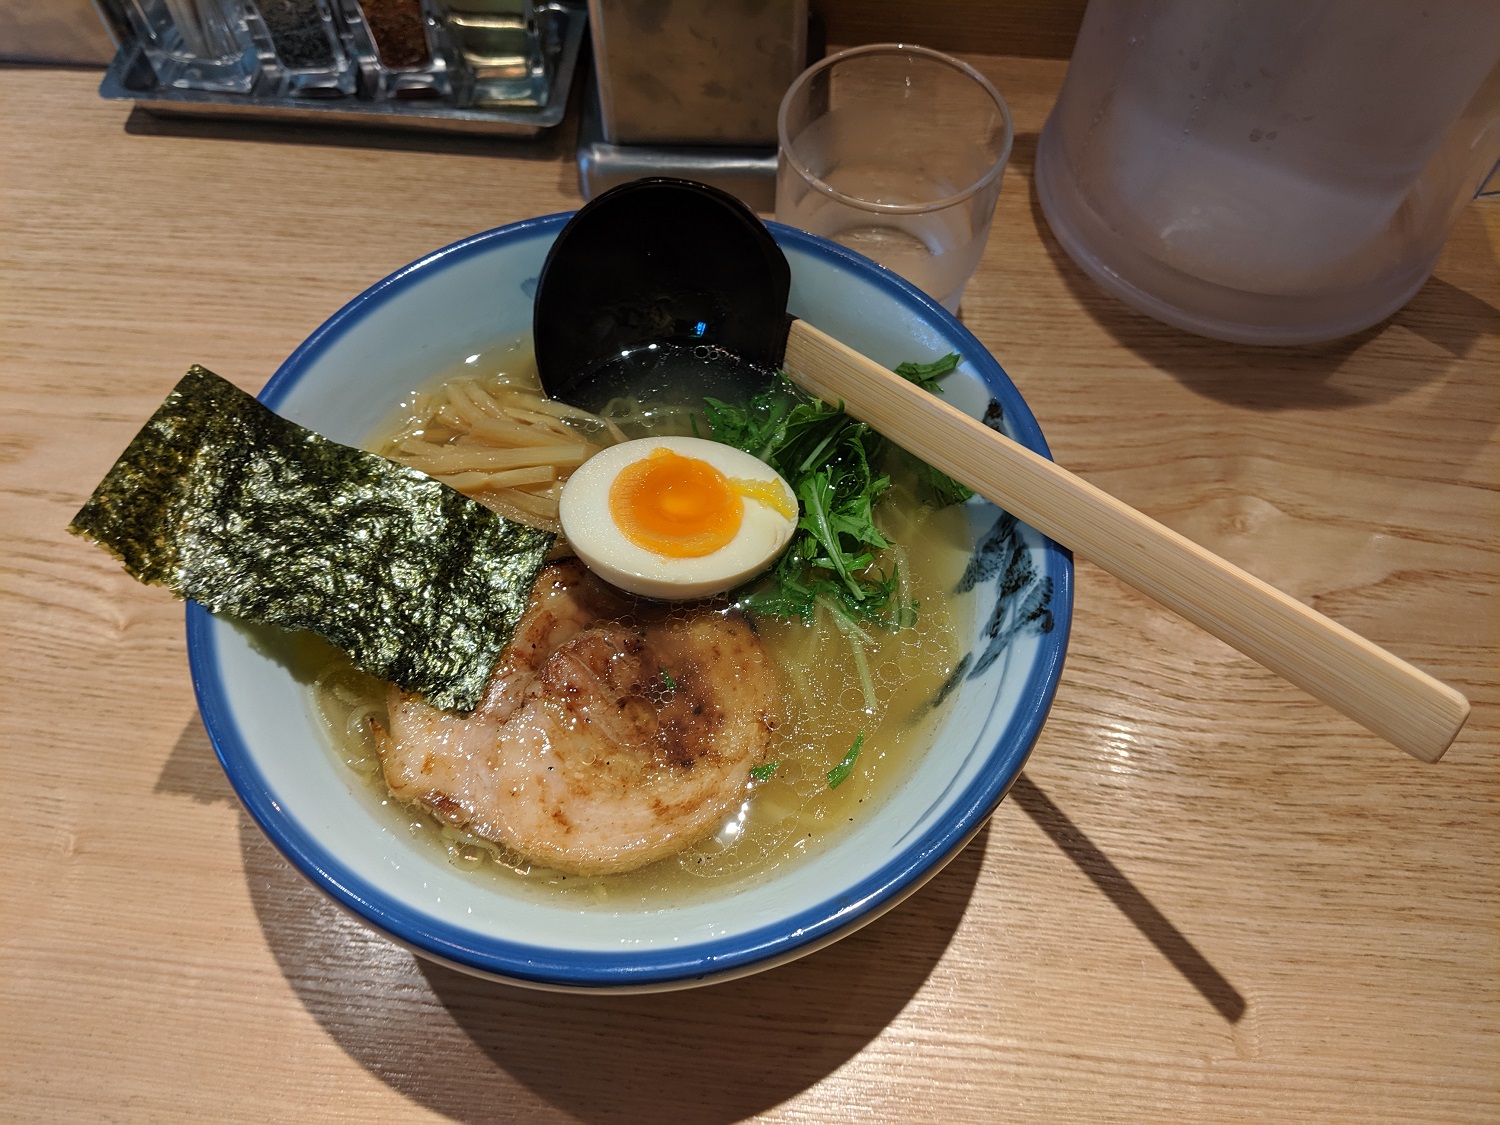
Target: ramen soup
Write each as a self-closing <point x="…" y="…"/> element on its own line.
<point x="856" y="705"/>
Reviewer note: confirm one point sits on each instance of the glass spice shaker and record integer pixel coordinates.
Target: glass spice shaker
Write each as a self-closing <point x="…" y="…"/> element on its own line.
<point x="301" y="52"/>
<point x="400" y="49"/>
<point x="196" y="44"/>
<point x="504" y="45"/>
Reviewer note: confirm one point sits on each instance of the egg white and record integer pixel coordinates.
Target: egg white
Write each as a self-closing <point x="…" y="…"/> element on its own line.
<point x="590" y="527"/>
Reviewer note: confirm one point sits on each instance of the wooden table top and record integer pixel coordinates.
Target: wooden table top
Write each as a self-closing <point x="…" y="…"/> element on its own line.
<point x="1208" y="896"/>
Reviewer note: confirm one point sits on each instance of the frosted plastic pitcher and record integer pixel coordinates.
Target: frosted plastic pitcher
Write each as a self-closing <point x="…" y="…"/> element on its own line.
<point x="1274" y="172"/>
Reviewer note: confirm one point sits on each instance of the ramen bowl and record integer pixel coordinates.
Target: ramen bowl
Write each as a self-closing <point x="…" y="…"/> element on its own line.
<point x="346" y="380"/>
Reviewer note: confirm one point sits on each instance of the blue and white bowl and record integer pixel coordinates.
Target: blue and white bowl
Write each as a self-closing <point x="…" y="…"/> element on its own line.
<point x="348" y="377"/>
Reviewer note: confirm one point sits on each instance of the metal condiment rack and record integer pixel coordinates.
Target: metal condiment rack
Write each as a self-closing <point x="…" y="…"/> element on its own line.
<point x="561" y="22"/>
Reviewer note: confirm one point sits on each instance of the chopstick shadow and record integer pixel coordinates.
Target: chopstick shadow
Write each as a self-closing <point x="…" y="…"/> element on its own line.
<point x="1153" y="924"/>
<point x="475" y="1050"/>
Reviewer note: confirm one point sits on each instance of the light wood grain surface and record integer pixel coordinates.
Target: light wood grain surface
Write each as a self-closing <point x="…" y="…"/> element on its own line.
<point x="1371" y="685"/>
<point x="1209" y="897"/>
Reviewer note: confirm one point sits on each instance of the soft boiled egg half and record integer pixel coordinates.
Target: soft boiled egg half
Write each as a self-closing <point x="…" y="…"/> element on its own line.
<point x="676" y="517"/>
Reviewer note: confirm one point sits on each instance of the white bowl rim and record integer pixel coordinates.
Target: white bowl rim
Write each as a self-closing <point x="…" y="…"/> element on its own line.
<point x="679" y="965"/>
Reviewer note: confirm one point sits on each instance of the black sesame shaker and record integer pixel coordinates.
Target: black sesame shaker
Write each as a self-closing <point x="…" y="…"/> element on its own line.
<point x="302" y="51"/>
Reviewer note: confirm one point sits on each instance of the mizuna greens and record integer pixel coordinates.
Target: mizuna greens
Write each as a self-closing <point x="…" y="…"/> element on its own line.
<point x="834" y="464"/>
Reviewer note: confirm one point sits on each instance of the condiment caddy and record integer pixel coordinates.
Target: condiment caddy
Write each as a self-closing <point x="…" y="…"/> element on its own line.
<point x="497" y="67"/>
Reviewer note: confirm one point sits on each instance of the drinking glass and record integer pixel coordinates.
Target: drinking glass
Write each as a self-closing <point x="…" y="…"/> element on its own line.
<point x="897" y="152"/>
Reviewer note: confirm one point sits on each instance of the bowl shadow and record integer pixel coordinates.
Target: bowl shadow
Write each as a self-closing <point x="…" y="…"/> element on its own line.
<point x="471" y="1048"/>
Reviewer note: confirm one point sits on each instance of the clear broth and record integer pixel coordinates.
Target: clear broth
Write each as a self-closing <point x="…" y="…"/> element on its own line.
<point x="794" y="812"/>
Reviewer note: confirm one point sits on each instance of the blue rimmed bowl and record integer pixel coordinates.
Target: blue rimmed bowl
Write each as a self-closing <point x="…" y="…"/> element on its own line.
<point x="348" y="377"/>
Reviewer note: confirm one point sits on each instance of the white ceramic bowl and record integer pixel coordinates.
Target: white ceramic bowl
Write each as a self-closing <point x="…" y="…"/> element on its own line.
<point x="347" y="378"/>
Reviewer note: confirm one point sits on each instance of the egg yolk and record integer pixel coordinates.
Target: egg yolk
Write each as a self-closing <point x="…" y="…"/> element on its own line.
<point x="683" y="508"/>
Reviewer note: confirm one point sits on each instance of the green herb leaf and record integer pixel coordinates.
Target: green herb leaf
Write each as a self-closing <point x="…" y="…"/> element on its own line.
<point x="840" y="773"/>
<point x="761" y="773"/>
<point x="938" y="488"/>
<point x="826" y="457"/>
<point x="926" y="375"/>
<point x="666" y="678"/>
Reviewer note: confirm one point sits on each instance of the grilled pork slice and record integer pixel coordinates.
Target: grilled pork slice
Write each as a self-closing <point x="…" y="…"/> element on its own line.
<point x="613" y="732"/>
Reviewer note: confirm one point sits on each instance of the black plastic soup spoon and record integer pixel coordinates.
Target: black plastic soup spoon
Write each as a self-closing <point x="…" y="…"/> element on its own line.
<point x="660" y="275"/>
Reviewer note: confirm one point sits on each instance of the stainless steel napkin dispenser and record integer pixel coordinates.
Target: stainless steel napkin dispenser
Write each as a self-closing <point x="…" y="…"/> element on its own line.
<point x="691" y="88"/>
<point x="689" y="72"/>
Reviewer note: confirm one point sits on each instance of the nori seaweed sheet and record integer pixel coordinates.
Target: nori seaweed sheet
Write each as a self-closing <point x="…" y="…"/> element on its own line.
<point x="223" y="501"/>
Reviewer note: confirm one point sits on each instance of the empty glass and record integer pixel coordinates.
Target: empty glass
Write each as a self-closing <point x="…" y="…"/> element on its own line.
<point x="896" y="152"/>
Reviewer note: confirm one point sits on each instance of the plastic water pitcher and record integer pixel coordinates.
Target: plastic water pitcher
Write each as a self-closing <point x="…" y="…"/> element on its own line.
<point x="1270" y="171"/>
